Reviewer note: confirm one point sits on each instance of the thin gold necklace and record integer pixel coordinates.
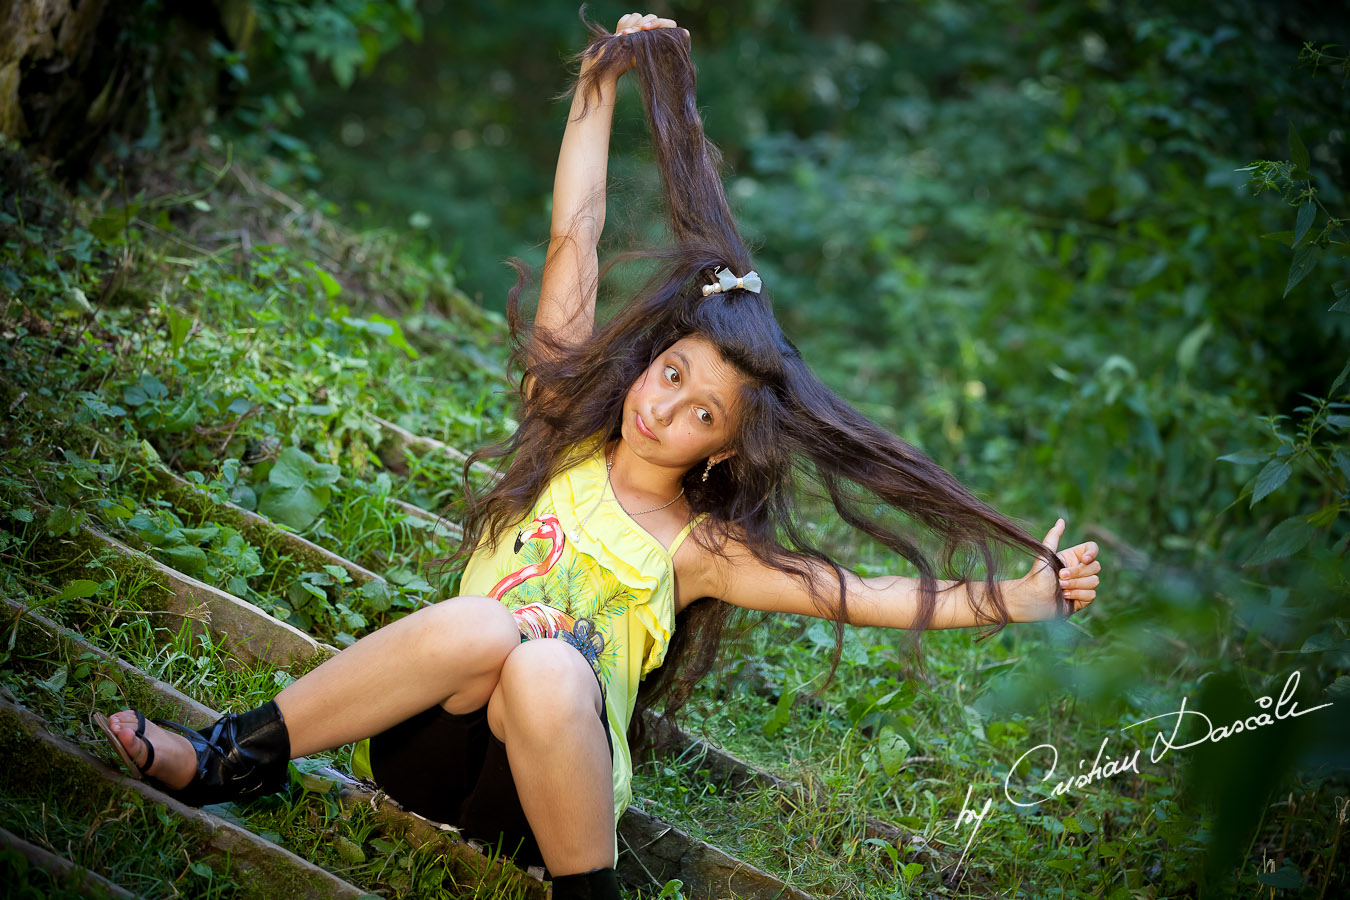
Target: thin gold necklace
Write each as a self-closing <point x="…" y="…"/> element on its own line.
<point x="609" y="486"/>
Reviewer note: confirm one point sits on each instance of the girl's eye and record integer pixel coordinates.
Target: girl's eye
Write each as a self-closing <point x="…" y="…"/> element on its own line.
<point x="673" y="374"/>
<point x="705" y="417"/>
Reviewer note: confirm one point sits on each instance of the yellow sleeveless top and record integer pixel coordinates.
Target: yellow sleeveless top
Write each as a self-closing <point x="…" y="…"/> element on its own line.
<point x="580" y="568"/>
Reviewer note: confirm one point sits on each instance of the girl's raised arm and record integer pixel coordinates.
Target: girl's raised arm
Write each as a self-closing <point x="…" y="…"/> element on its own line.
<point x="571" y="268"/>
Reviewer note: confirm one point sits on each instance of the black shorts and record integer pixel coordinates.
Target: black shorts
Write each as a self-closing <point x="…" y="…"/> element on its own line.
<point x="453" y="769"/>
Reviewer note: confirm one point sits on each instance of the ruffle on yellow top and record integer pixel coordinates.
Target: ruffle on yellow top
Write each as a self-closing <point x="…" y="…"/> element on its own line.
<point x="617" y="543"/>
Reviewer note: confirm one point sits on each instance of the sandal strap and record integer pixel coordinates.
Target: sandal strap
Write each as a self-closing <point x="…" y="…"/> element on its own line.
<point x="149" y="747"/>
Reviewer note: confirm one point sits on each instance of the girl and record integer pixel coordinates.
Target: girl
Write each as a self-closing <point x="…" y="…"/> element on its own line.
<point x="651" y="486"/>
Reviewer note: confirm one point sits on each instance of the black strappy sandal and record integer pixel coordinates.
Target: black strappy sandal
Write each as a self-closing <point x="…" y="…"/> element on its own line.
<point x="242" y="756"/>
<point x="138" y="771"/>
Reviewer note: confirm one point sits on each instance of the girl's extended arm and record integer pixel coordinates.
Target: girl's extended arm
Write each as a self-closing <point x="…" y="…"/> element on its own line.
<point x="892" y="601"/>
<point x="571" y="268"/>
<point x="567" y="290"/>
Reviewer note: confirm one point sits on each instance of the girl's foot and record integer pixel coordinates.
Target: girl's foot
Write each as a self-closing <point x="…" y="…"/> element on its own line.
<point x="175" y="759"/>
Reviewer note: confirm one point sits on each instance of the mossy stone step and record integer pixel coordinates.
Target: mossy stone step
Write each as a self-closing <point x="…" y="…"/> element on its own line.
<point x="39" y="635"/>
<point x="38" y="759"/>
<point x="89" y="884"/>
<point x="249" y="633"/>
<point x="399" y="440"/>
<point x="673" y="743"/>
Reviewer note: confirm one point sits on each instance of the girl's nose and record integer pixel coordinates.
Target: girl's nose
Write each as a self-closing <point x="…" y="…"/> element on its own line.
<point x="662" y="412"/>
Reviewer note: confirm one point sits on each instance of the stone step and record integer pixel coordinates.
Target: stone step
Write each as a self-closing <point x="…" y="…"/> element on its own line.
<point x="249" y="633"/>
<point x="444" y="527"/>
<point x="64" y="871"/>
<point x="673" y="743"/>
<point x="399" y="440"/>
<point x="37" y="758"/>
<point x="658" y="851"/>
<point x="38" y="635"/>
<point x="259" y="530"/>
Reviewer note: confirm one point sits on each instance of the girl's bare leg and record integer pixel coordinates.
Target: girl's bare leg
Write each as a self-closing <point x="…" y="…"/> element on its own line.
<point x="545" y="710"/>
<point x="450" y="653"/>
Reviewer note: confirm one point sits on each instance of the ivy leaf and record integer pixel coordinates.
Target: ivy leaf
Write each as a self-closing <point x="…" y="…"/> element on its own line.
<point x="376" y="595"/>
<point x="1285" y="539"/>
<point x="299" y="489"/>
<point x="185" y="558"/>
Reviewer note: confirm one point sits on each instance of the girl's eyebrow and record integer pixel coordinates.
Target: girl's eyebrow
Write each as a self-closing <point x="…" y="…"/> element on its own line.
<point x="689" y="368"/>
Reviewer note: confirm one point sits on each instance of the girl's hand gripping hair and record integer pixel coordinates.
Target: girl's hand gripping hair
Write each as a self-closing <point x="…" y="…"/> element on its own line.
<point x="1033" y="600"/>
<point x="635" y="22"/>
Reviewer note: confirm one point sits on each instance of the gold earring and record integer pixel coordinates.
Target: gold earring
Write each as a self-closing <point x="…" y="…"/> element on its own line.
<point x="708" y="469"/>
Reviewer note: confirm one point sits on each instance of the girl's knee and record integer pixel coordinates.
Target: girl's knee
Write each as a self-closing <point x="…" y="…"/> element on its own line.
<point x="550" y="674"/>
<point x="469" y="629"/>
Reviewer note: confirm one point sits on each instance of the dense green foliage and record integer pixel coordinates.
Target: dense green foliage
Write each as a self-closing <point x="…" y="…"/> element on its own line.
<point x="1027" y="240"/>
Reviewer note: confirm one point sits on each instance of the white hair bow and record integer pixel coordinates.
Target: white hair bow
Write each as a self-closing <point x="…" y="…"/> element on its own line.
<point x="727" y="281"/>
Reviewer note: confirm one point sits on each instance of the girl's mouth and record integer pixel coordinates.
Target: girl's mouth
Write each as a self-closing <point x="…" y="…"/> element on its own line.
<point x="642" y="426"/>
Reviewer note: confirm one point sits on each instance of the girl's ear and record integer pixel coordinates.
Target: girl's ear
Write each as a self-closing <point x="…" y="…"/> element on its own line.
<point x="725" y="454"/>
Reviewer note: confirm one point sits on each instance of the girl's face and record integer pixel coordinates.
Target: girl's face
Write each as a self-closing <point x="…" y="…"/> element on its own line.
<point x="683" y="409"/>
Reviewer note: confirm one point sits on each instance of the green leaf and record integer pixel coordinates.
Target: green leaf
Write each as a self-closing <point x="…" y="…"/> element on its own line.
<point x="185" y="558"/>
<point x="1339" y="690"/>
<point x="396" y="337"/>
<point x="179" y="326"/>
<point x="893" y="750"/>
<point x="782" y="713"/>
<point x="1307" y="213"/>
<point x="1245" y="457"/>
<point x="78" y="589"/>
<point x="291" y="469"/>
<point x="63" y="521"/>
<point x="1285" y="539"/>
<point x="376" y="595"/>
<point x="349" y="850"/>
<point x="1345" y="370"/>
<point x="1305" y="260"/>
<point x="1298" y="154"/>
<point x="1323" y="642"/>
<point x="56" y="683"/>
<point x="1284" y="237"/>
<point x="181" y="415"/>
<point x="1190" y="345"/>
<point x="331" y="287"/>
<point x="1342" y="458"/>
<point x="1287" y="877"/>
<point x="145" y="390"/>
<point x="199" y="535"/>
<point x="21" y="515"/>
<point x="1268" y="479"/>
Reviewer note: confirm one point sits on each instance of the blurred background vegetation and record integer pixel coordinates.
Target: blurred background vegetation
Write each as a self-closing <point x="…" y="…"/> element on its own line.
<point x="1091" y="257"/>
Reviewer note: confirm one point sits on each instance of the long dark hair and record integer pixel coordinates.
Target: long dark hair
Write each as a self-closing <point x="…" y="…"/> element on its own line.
<point x="795" y="434"/>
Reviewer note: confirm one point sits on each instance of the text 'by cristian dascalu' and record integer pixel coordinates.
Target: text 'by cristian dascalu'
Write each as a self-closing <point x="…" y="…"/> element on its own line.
<point x="1166" y="740"/>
